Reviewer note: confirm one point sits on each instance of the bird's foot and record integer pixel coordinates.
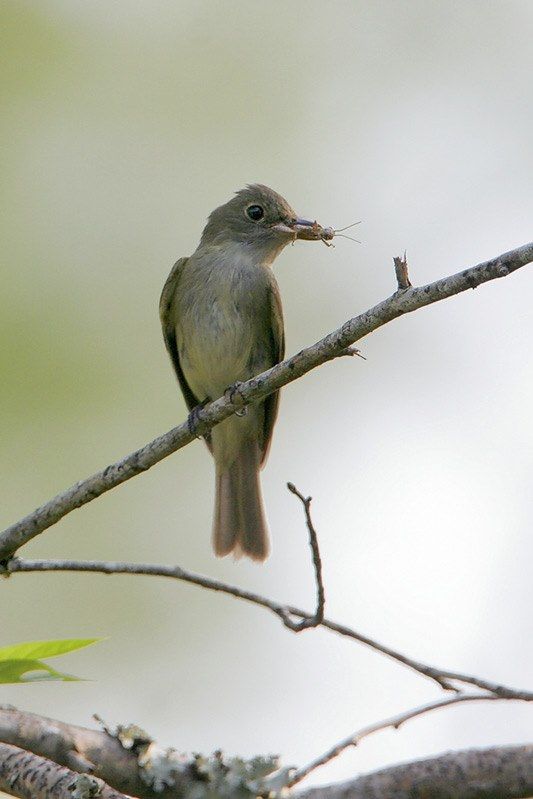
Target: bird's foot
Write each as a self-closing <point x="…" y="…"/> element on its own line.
<point x="193" y="418"/>
<point x="235" y="391"/>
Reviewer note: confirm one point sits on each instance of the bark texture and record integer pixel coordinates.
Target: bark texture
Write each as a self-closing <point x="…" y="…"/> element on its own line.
<point x="29" y="776"/>
<point x="499" y="773"/>
<point x="39" y="758"/>
<point x="77" y="748"/>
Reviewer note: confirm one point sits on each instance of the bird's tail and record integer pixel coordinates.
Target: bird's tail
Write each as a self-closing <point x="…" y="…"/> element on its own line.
<point x="240" y="525"/>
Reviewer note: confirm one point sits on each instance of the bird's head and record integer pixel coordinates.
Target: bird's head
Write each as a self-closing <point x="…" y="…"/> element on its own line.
<point x="260" y="219"/>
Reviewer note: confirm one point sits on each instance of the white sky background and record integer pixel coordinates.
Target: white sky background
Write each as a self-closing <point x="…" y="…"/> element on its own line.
<point x="122" y="126"/>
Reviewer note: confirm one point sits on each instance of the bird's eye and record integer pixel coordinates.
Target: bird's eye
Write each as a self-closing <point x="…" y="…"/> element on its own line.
<point x="255" y="213"/>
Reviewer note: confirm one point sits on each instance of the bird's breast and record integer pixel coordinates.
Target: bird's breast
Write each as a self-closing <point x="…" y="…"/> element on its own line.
<point x="221" y="333"/>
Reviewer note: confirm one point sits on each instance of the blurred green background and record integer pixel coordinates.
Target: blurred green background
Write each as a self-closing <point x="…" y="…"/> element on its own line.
<point x="122" y="126"/>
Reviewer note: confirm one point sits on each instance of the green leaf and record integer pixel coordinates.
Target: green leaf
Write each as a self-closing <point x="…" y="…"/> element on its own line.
<point x="20" y="663"/>
<point x="31" y="650"/>
<point x="21" y="671"/>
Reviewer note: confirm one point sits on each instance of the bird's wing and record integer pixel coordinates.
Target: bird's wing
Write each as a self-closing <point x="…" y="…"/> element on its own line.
<point x="277" y="351"/>
<point x="167" y="315"/>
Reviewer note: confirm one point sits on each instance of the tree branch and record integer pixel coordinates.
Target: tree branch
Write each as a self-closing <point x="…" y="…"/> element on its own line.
<point x="318" y="616"/>
<point x="498" y="773"/>
<point x="328" y="348"/>
<point x="76" y="748"/>
<point x="395" y="722"/>
<point x="444" y="678"/>
<point x="29" y="776"/>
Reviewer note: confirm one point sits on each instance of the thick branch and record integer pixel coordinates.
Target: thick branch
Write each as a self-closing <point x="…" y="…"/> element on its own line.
<point x="499" y="773"/>
<point x="76" y="748"/>
<point x="404" y="301"/>
<point x="444" y="678"/>
<point x="29" y="776"/>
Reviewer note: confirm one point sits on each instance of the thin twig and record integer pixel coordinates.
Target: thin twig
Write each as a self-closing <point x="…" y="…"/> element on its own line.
<point x="442" y="677"/>
<point x="395" y="722"/>
<point x="350" y="352"/>
<point x="328" y="348"/>
<point x="500" y="691"/>
<point x="318" y="617"/>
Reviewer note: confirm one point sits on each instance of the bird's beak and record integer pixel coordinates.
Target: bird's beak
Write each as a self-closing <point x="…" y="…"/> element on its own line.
<point x="304" y="229"/>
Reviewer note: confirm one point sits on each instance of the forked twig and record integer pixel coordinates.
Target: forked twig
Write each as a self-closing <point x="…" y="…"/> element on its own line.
<point x="442" y="677"/>
<point x="318" y="617"/>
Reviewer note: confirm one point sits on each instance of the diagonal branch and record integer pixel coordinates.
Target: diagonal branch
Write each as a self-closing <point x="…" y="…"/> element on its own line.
<point x="401" y="302"/>
<point x="442" y="677"/>
<point x="395" y="722"/>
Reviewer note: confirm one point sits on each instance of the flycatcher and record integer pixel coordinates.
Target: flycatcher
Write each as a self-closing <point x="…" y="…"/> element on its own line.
<point x="223" y="324"/>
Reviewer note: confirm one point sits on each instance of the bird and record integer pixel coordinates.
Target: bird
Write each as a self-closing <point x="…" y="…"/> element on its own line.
<point x="222" y="323"/>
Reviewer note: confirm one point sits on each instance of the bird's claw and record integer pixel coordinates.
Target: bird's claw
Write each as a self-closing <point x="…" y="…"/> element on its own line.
<point x="231" y="392"/>
<point x="193" y="418"/>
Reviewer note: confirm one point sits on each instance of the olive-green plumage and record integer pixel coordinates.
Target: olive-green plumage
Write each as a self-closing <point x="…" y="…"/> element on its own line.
<point x="222" y="323"/>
